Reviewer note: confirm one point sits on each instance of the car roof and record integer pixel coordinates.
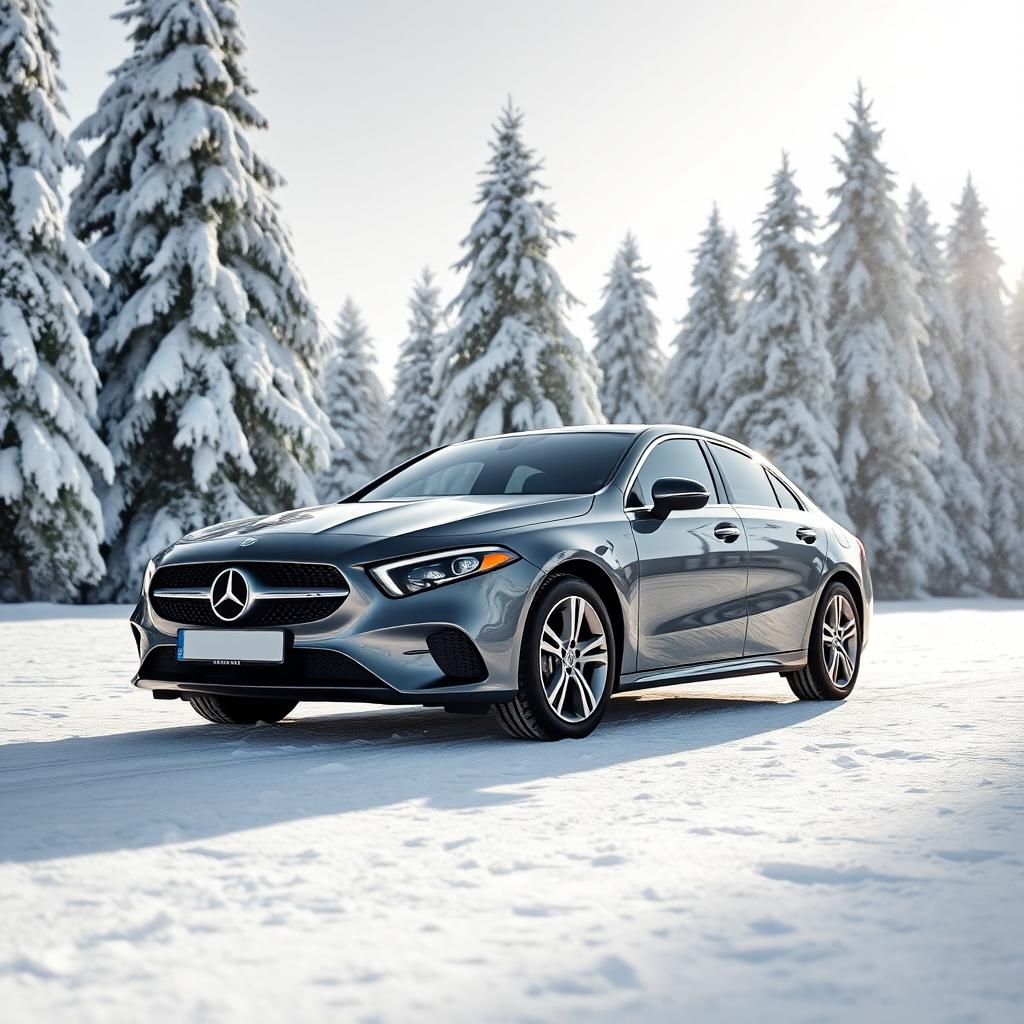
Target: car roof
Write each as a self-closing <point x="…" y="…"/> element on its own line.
<point x="653" y="429"/>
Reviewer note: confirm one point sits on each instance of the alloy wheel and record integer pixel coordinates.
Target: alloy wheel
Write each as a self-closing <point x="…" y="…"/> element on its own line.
<point x="573" y="659"/>
<point x="839" y="641"/>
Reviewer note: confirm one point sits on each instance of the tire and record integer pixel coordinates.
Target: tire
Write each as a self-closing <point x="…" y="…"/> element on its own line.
<point x="828" y="675"/>
<point x="242" y="710"/>
<point x="587" y="665"/>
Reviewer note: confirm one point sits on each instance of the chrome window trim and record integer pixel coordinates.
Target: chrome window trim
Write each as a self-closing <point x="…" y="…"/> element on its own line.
<point x="643" y="458"/>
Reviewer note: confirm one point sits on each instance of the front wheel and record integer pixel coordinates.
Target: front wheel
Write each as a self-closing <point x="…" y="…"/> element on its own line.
<point x="567" y="665"/>
<point x="242" y="710"/>
<point x="833" y="656"/>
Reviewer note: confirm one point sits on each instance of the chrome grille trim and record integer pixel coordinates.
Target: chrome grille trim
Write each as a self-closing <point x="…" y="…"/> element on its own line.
<point x="194" y="594"/>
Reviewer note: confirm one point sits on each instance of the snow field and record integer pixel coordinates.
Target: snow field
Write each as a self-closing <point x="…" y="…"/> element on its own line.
<point x="711" y="852"/>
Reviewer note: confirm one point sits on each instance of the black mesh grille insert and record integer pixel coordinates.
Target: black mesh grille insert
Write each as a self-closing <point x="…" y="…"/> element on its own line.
<point x="300" y="668"/>
<point x="456" y="656"/>
<point x="265" y="613"/>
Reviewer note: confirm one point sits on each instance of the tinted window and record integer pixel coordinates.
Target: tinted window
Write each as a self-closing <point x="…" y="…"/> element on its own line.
<point x="676" y="457"/>
<point x="568" y="463"/>
<point x="747" y="479"/>
<point x="786" y="498"/>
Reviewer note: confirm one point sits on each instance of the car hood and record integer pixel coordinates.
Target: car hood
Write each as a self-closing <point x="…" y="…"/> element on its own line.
<point x="447" y="516"/>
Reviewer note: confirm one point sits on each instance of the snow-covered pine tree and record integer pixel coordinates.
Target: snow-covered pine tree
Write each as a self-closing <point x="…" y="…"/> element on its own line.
<point x="207" y="338"/>
<point x="874" y="319"/>
<point x="356" y="405"/>
<point x="413" y="402"/>
<point x="627" y="351"/>
<point x="510" y="361"/>
<point x="1015" y="320"/>
<point x="778" y="383"/>
<point x="965" y="549"/>
<point x="701" y="348"/>
<point x="51" y="526"/>
<point x="988" y="415"/>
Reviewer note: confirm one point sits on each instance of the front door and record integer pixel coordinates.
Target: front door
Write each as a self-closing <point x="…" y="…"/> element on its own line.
<point x="692" y="566"/>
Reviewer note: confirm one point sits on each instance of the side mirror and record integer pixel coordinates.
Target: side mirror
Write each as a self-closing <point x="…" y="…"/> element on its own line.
<point x="672" y="494"/>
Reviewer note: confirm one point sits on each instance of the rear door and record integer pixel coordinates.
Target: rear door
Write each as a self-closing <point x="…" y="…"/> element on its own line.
<point x="693" y="565"/>
<point x="786" y="552"/>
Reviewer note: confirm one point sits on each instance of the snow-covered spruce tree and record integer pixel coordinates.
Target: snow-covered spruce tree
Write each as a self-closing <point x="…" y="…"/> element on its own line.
<point x="989" y="413"/>
<point x="627" y="350"/>
<point x="701" y="348"/>
<point x="50" y="522"/>
<point x="356" y="405"/>
<point x="1015" y="322"/>
<point x="779" y="380"/>
<point x="874" y="319"/>
<point x="413" y="402"/>
<point x="964" y="549"/>
<point x="510" y="362"/>
<point x="207" y="339"/>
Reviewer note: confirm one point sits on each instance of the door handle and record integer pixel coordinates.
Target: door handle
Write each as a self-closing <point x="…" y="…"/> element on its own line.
<point x="807" y="535"/>
<point x="727" y="532"/>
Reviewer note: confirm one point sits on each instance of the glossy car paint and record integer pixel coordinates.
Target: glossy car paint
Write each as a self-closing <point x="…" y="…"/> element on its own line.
<point x="685" y="604"/>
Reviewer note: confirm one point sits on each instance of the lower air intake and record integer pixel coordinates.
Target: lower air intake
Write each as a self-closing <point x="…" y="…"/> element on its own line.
<point x="456" y="656"/>
<point x="302" y="667"/>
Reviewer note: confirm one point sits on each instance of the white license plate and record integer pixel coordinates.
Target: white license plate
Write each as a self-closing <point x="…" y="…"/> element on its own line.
<point x="230" y="646"/>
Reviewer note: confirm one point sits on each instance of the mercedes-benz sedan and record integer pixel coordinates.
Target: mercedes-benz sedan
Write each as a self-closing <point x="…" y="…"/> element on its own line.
<point x="533" y="574"/>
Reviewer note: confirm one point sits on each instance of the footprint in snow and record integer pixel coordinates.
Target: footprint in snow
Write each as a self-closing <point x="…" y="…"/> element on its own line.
<point x="845" y="761"/>
<point x="330" y="768"/>
<point x="813" y="874"/>
<point x="968" y="856"/>
<point x="618" y="972"/>
<point x="770" y="926"/>
<point x="213" y="854"/>
<point x="905" y="755"/>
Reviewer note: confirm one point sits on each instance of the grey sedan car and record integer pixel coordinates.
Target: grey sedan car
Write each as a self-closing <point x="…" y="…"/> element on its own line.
<point x="533" y="574"/>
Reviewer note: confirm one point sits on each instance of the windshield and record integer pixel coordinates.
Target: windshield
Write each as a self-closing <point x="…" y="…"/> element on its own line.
<point x="563" y="463"/>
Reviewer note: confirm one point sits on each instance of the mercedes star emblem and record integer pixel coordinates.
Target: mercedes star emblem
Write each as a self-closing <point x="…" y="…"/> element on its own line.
<point x="229" y="595"/>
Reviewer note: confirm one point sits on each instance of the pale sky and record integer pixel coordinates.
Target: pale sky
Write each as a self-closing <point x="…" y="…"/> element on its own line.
<point x="644" y="112"/>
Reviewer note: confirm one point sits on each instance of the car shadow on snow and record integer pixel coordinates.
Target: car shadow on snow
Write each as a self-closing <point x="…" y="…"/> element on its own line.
<point x="146" y="788"/>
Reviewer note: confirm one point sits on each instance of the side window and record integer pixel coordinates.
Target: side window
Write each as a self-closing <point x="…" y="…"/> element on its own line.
<point x="786" y="498"/>
<point x="678" y="457"/>
<point x="747" y="479"/>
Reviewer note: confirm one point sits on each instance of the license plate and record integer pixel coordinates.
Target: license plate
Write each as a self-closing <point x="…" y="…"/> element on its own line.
<point x="230" y="646"/>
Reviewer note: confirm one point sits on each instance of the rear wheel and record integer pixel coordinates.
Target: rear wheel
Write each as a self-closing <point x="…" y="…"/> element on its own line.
<point x="241" y="710"/>
<point x="567" y="665"/>
<point x="833" y="656"/>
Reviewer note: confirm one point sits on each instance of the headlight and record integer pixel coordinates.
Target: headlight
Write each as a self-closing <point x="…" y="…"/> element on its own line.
<point x="148" y="577"/>
<point x="411" y="575"/>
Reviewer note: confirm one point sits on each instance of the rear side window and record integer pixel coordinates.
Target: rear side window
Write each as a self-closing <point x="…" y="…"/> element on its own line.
<point x="746" y="478"/>
<point x="677" y="457"/>
<point x="786" y="498"/>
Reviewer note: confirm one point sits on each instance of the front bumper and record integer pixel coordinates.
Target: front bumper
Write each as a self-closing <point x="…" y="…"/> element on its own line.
<point x="374" y="649"/>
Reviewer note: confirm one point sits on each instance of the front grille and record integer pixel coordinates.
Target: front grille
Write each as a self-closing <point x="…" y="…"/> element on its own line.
<point x="301" y="668"/>
<point x="262" y="613"/>
<point x="456" y="656"/>
<point x="270" y="574"/>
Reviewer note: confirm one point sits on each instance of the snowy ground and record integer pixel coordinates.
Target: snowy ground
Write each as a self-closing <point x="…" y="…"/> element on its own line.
<point x="716" y="851"/>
